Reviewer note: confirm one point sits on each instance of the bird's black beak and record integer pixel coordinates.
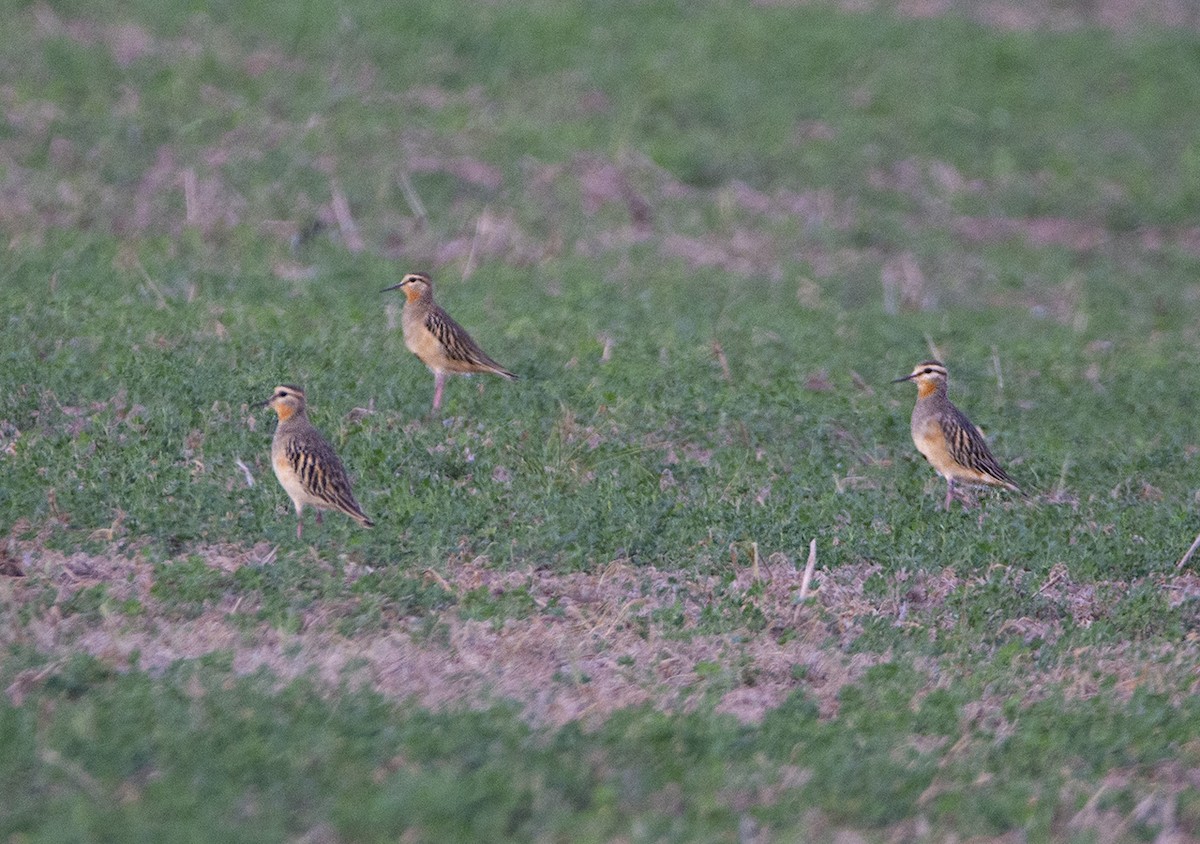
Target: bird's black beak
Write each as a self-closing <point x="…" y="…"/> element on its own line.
<point x="393" y="287"/>
<point x="905" y="378"/>
<point x="259" y="405"/>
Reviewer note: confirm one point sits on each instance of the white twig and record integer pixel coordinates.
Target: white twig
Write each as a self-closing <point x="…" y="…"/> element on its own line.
<point x="861" y="383"/>
<point x="481" y="223"/>
<point x="933" y="349"/>
<point x="162" y="300"/>
<point x="246" y="471"/>
<point x="82" y="778"/>
<point x="1053" y="579"/>
<point x="808" y="570"/>
<point x="1184" y="561"/>
<point x="341" y="210"/>
<point x="412" y="197"/>
<point x="1062" y="477"/>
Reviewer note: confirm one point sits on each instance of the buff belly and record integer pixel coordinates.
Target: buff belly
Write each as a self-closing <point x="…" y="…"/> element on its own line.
<point x="293" y="486"/>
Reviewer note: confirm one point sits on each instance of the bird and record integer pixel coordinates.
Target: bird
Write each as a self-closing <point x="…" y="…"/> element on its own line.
<point x="305" y="463"/>
<point x="945" y="436"/>
<point x="437" y="340"/>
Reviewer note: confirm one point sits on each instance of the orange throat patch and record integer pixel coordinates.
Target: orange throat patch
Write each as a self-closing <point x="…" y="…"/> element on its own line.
<point x="926" y="388"/>
<point x="285" y="411"/>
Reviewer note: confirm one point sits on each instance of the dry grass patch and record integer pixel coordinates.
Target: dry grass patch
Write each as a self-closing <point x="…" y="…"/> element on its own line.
<point x="588" y="644"/>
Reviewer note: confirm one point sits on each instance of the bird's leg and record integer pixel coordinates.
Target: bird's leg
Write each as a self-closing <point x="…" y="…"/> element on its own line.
<point x="439" y="381"/>
<point x="949" y="492"/>
<point x="318" y="517"/>
<point x="299" y="526"/>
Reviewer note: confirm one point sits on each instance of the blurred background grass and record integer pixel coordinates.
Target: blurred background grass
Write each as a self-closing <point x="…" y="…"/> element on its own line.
<point x="706" y="236"/>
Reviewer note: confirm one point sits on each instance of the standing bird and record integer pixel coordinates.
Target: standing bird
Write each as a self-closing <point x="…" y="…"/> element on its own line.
<point x="441" y="343"/>
<point x="305" y="463"/>
<point x="945" y="436"/>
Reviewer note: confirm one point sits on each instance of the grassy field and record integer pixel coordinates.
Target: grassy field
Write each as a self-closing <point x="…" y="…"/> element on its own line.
<point x="707" y="237"/>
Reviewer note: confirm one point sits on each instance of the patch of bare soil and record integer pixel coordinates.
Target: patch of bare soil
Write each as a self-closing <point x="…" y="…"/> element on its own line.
<point x="597" y="642"/>
<point x="595" y="649"/>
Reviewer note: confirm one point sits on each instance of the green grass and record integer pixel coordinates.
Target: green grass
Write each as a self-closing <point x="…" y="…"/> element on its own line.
<point x="134" y="407"/>
<point x="981" y="670"/>
<point x="250" y="763"/>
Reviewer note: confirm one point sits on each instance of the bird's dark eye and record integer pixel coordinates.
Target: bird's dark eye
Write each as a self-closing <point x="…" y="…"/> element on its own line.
<point x="282" y="394"/>
<point x="927" y="372"/>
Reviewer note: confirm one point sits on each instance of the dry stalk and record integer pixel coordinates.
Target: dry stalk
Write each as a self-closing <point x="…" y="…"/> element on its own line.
<point x="934" y="352"/>
<point x="107" y="534"/>
<point x="482" y="221"/>
<point x="52" y="503"/>
<point x="861" y="383"/>
<point x="808" y="570"/>
<point x="412" y="197"/>
<point x="999" y="377"/>
<point x="626" y="609"/>
<point x="609" y="343"/>
<point x="25" y="681"/>
<point x="85" y="780"/>
<point x="246" y="471"/>
<point x="1062" y="477"/>
<point x="1190" y="551"/>
<point x="341" y="211"/>
<point x="430" y="574"/>
<point x="1054" y="579"/>
<point x="719" y="351"/>
<point x="158" y="294"/>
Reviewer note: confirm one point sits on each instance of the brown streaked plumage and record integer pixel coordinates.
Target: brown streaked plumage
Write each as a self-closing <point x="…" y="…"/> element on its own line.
<point x="306" y="465"/>
<point x="441" y="343"/>
<point x="945" y="436"/>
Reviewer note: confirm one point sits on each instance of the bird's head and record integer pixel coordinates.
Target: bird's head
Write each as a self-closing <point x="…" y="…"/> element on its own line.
<point x="414" y="285"/>
<point x="286" y="400"/>
<point x="930" y="376"/>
